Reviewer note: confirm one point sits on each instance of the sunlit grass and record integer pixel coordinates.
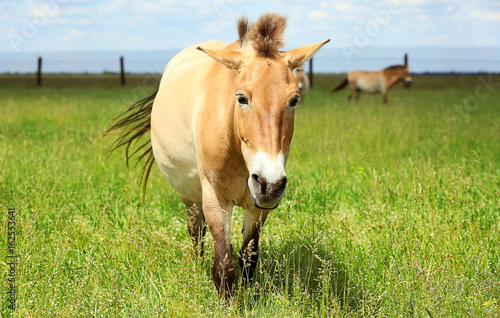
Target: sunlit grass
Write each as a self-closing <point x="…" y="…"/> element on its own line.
<point x="392" y="210"/>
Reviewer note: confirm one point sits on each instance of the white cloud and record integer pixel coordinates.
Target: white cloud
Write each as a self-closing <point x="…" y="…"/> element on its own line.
<point x="423" y="17"/>
<point x="317" y="14"/>
<point x="115" y="6"/>
<point x="73" y="34"/>
<point x="83" y="22"/>
<point x="77" y="11"/>
<point x="155" y="7"/>
<point x="492" y="16"/>
<point x="341" y="7"/>
<point x="36" y="10"/>
<point x="59" y="21"/>
<point x="416" y="2"/>
<point x="44" y="11"/>
<point x="487" y="16"/>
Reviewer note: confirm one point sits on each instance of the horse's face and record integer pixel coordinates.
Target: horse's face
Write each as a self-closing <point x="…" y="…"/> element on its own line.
<point x="265" y="97"/>
<point x="405" y="74"/>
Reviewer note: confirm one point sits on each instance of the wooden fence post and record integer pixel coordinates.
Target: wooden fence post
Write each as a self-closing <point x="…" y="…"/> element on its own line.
<point x="311" y="81"/>
<point x="39" y="72"/>
<point x="122" y="71"/>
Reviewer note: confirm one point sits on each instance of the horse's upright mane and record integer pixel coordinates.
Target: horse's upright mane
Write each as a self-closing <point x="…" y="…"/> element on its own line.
<point x="394" y="67"/>
<point x="243" y="25"/>
<point x="266" y="35"/>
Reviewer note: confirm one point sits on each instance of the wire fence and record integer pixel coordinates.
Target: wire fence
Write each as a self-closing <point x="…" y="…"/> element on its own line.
<point x="327" y="60"/>
<point x="440" y="60"/>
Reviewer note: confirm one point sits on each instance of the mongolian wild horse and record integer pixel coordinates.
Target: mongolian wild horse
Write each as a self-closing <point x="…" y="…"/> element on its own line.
<point x="221" y="124"/>
<point x="302" y="80"/>
<point x="375" y="82"/>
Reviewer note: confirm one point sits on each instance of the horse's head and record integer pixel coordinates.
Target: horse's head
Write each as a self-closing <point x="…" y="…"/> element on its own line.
<point x="401" y="73"/>
<point x="406" y="76"/>
<point x="265" y="97"/>
<point x="299" y="75"/>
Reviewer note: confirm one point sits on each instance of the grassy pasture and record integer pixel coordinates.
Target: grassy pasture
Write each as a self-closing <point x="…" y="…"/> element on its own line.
<point x="391" y="210"/>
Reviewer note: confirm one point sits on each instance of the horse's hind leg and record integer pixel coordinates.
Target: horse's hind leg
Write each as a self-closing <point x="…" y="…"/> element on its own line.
<point x="352" y="88"/>
<point x="253" y="220"/>
<point x="196" y="224"/>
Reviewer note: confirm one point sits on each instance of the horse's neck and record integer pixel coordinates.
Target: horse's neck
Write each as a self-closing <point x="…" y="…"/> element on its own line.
<point x="391" y="78"/>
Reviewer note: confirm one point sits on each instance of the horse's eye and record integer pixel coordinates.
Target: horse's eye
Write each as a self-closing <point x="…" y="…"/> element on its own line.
<point x="294" y="101"/>
<point x="242" y="100"/>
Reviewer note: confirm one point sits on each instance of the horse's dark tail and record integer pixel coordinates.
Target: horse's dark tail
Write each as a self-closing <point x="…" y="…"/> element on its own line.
<point x="341" y="86"/>
<point x="131" y="125"/>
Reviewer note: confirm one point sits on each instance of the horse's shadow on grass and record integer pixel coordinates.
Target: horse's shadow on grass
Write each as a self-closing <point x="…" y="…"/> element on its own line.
<point x="304" y="270"/>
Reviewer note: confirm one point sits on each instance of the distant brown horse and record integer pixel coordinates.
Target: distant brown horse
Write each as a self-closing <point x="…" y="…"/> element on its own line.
<point x="375" y="82"/>
<point x="302" y="80"/>
<point x="221" y="125"/>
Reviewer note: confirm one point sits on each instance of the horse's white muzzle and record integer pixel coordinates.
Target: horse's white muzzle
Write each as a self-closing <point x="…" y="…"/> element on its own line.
<point x="267" y="181"/>
<point x="408" y="82"/>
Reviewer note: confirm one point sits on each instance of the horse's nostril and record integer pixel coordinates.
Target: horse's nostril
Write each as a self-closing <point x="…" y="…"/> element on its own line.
<point x="255" y="177"/>
<point x="261" y="181"/>
<point x="281" y="185"/>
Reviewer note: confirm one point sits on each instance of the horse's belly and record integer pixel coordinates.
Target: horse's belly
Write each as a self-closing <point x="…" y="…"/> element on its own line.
<point x="184" y="179"/>
<point x="369" y="86"/>
<point x="174" y="149"/>
<point x="178" y="164"/>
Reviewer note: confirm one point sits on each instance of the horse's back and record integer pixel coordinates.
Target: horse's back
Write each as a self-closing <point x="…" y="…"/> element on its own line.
<point x="186" y="61"/>
<point x="180" y="97"/>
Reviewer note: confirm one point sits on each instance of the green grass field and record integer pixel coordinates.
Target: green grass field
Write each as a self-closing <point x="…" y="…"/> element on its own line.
<point x="391" y="210"/>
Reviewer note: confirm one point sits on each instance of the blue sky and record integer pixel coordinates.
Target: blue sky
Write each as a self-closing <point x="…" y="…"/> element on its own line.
<point x="76" y="25"/>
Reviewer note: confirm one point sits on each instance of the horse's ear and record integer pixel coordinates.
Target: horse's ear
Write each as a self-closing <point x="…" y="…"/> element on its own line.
<point x="231" y="59"/>
<point x="298" y="56"/>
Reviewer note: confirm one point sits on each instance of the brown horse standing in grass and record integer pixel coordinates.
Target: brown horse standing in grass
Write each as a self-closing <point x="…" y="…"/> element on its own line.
<point x="375" y="82"/>
<point x="302" y="80"/>
<point x="221" y="125"/>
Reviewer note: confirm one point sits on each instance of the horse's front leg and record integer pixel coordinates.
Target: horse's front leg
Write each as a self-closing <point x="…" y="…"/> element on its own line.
<point x="253" y="220"/>
<point x="385" y="90"/>
<point x="218" y="217"/>
<point x="384" y="96"/>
